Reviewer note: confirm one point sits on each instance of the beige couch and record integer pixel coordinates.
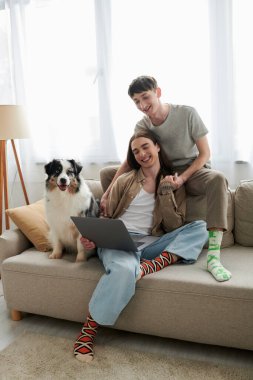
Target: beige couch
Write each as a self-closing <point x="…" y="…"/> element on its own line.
<point x="182" y="301"/>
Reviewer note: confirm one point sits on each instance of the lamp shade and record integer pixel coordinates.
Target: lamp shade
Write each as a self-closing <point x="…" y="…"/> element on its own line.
<point x="13" y="122"/>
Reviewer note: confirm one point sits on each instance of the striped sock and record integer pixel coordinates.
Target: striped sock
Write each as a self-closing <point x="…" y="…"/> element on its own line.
<point x="160" y="262"/>
<point x="214" y="265"/>
<point x="83" y="348"/>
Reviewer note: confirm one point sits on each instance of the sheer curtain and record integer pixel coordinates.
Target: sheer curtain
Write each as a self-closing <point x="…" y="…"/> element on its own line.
<point x="200" y="52"/>
<point x="222" y="77"/>
<point x="230" y="31"/>
<point x="59" y="67"/>
<point x="243" y="61"/>
<point x="231" y="78"/>
<point x="71" y="62"/>
<point x="166" y="39"/>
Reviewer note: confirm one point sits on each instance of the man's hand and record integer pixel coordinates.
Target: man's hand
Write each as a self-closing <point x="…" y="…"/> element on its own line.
<point x="174" y="180"/>
<point x="103" y="204"/>
<point x="87" y="244"/>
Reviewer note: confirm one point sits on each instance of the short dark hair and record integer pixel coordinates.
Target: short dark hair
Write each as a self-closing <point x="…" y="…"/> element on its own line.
<point x="165" y="164"/>
<point x="141" y="84"/>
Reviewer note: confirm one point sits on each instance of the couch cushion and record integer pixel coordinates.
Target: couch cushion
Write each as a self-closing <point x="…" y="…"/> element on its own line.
<point x="181" y="297"/>
<point x="31" y="221"/>
<point x="186" y="278"/>
<point x="244" y="213"/>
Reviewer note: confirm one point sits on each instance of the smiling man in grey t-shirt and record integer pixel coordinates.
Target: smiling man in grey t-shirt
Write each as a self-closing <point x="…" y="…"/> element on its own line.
<point x="184" y="128"/>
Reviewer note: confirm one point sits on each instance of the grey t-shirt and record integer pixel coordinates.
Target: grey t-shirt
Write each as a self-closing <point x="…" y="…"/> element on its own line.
<point x="178" y="134"/>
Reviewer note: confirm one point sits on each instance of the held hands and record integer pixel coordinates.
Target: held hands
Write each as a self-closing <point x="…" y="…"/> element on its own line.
<point x="87" y="244"/>
<point x="175" y="181"/>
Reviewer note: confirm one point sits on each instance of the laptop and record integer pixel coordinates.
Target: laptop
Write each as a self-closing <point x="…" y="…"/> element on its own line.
<point x="111" y="233"/>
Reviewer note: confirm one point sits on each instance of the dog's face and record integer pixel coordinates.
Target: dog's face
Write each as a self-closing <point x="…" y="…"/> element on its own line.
<point x="63" y="174"/>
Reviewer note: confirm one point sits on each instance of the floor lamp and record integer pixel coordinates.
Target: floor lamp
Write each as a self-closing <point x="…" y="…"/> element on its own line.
<point x="13" y="125"/>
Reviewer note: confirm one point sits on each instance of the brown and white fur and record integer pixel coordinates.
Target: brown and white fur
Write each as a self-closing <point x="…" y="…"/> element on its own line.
<point x="67" y="195"/>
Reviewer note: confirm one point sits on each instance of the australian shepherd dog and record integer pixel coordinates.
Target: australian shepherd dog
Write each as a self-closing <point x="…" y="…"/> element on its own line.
<point x="67" y="195"/>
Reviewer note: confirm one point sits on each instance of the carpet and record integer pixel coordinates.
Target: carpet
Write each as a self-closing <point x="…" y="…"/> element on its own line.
<point x="43" y="357"/>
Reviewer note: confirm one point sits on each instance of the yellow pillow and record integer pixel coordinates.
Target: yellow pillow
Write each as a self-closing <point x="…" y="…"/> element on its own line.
<point x="31" y="220"/>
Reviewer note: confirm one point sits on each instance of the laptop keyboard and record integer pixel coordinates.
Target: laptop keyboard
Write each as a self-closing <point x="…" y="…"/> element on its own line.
<point x="136" y="239"/>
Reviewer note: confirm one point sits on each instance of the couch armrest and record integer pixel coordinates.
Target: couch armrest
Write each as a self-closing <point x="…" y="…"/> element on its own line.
<point x="12" y="242"/>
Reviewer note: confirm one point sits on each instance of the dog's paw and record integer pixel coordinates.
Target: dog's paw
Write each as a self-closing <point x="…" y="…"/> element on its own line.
<point x="55" y="255"/>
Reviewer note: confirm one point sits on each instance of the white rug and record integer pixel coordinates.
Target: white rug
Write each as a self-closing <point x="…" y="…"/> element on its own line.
<point x="35" y="356"/>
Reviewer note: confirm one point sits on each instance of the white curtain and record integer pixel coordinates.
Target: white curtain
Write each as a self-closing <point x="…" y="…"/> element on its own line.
<point x="223" y="121"/>
<point x="166" y="39"/>
<point x="60" y="69"/>
<point x="243" y="61"/>
<point x="231" y="77"/>
<point x="12" y="52"/>
<point x="72" y="62"/>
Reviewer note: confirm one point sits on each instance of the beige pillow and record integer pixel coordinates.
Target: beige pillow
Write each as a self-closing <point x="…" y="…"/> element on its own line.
<point x="31" y="221"/>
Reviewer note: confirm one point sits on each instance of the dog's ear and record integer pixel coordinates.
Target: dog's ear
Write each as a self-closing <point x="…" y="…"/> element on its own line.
<point x="49" y="167"/>
<point x="77" y="167"/>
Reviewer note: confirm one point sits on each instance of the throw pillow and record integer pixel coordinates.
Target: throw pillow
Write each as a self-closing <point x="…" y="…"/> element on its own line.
<point x="31" y="220"/>
<point x="244" y="213"/>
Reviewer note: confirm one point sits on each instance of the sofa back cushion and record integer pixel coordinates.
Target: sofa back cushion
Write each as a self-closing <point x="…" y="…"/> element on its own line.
<point x="244" y="213"/>
<point x="95" y="187"/>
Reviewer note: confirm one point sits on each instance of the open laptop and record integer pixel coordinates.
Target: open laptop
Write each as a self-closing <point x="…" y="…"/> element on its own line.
<point x="111" y="233"/>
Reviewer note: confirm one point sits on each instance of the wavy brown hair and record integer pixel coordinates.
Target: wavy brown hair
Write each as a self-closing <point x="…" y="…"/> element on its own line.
<point x="165" y="164"/>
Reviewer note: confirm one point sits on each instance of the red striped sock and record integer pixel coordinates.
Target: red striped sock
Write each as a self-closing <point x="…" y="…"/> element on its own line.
<point x="83" y="348"/>
<point x="160" y="262"/>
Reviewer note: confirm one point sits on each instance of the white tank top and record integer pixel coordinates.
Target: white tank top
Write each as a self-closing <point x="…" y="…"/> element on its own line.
<point x="138" y="217"/>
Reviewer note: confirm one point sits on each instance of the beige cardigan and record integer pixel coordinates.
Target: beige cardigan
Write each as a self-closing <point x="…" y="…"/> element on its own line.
<point x="170" y="206"/>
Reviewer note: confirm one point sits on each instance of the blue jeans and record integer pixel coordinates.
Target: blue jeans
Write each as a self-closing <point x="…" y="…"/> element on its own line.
<point x="117" y="286"/>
